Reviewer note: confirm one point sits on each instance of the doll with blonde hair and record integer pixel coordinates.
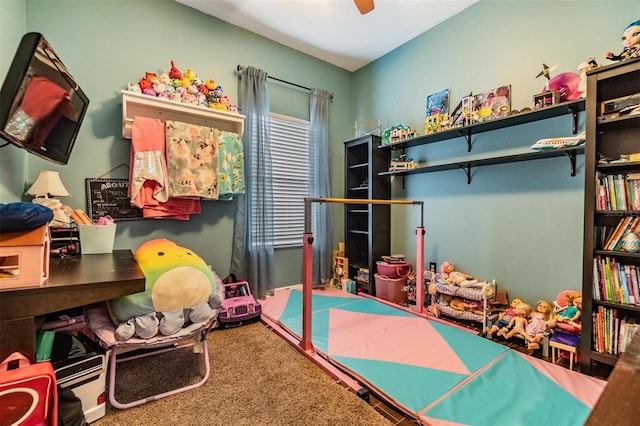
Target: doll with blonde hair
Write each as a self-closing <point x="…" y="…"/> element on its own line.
<point x="539" y="323"/>
<point x="504" y="317"/>
<point x="518" y="324"/>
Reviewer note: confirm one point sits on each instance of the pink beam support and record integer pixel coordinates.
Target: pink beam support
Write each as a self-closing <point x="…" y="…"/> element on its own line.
<point x="419" y="270"/>
<point x="307" y="286"/>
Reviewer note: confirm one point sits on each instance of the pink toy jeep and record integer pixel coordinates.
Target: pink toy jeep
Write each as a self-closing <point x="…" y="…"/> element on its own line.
<point x="239" y="304"/>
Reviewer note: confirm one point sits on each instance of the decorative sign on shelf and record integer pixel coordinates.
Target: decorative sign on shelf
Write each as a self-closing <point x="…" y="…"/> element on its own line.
<point x="110" y="197"/>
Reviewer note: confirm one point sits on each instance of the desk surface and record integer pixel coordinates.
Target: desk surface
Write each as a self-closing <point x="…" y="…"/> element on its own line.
<point x="75" y="281"/>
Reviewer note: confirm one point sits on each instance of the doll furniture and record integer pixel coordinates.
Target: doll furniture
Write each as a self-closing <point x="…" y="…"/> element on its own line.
<point x="568" y="342"/>
<point x="119" y="351"/>
<point x="565" y="336"/>
<point x="24" y="257"/>
<point x="482" y="294"/>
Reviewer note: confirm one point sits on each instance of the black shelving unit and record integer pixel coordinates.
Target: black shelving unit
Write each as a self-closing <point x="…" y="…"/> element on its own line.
<point x="608" y="138"/>
<point x="367" y="226"/>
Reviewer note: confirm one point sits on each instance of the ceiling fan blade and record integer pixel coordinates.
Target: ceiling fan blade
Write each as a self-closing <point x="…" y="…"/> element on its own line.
<point x="364" y="6"/>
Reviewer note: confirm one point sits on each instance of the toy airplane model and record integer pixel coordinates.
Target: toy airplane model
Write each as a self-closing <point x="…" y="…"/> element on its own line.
<point x="546" y="71"/>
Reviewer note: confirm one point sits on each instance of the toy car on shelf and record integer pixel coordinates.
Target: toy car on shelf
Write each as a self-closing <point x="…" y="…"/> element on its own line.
<point x="239" y="305"/>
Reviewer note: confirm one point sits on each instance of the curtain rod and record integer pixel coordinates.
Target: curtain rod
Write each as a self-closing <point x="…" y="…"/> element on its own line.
<point x="240" y="67"/>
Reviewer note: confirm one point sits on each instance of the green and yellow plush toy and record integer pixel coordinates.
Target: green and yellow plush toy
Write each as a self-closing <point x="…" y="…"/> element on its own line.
<point x="180" y="288"/>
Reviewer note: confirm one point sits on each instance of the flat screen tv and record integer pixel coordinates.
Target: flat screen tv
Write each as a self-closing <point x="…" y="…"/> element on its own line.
<point x="41" y="104"/>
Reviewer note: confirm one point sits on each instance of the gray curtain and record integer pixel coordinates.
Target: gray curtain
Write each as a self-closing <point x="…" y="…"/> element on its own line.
<point x="320" y="186"/>
<point x="252" y="255"/>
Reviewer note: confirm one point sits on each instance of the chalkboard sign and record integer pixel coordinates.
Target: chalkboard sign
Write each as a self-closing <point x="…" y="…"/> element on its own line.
<point x="110" y="197"/>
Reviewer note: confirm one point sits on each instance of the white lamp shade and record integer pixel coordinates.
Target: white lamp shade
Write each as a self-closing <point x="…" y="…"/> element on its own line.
<point x="47" y="184"/>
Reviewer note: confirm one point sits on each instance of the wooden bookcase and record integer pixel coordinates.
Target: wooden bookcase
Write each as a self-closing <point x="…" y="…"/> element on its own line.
<point x="367" y="226"/>
<point x="608" y="136"/>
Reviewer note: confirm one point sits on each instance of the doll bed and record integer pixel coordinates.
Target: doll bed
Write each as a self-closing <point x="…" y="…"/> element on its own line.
<point x="100" y="323"/>
<point x="469" y="293"/>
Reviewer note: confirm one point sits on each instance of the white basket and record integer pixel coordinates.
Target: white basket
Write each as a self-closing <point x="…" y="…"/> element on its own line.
<point x="96" y="239"/>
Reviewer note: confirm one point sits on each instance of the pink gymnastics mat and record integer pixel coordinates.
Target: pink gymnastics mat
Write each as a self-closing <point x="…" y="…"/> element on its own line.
<point x="438" y="373"/>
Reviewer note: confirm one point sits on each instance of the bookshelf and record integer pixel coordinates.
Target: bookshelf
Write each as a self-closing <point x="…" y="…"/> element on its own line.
<point x="367" y="227"/>
<point x="611" y="268"/>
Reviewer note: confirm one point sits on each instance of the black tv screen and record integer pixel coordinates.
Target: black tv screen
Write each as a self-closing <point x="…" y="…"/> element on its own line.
<point x="41" y="104"/>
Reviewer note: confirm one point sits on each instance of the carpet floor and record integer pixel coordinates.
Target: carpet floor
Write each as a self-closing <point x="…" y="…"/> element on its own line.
<point x="257" y="378"/>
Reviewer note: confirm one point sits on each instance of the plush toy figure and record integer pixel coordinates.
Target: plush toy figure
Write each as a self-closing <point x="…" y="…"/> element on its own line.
<point x="630" y="43"/>
<point x="504" y="317"/>
<point x="518" y="324"/>
<point x="180" y="288"/>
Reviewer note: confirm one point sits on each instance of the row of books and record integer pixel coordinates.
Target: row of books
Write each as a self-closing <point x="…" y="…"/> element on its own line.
<point x="618" y="192"/>
<point x="611" y="333"/>
<point x="616" y="235"/>
<point x="616" y="282"/>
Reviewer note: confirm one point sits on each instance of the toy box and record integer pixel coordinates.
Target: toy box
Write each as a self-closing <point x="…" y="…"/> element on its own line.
<point x="391" y="289"/>
<point x="24" y="258"/>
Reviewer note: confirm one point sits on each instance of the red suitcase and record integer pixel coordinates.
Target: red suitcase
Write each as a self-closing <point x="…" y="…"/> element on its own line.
<point x="28" y="393"/>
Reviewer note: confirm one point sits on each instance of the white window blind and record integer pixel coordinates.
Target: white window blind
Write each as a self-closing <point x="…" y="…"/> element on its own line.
<point x="290" y="159"/>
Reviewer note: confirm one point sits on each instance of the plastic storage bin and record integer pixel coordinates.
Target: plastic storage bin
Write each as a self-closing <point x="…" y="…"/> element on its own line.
<point x="95" y="239"/>
<point x="393" y="270"/>
<point x="391" y="289"/>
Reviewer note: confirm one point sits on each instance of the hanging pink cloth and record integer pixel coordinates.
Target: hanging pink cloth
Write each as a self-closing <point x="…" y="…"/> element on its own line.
<point x="148" y="186"/>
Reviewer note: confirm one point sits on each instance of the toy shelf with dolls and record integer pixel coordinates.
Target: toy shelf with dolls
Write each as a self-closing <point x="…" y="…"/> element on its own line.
<point x="137" y="104"/>
<point x="611" y="255"/>
<point x="466" y="132"/>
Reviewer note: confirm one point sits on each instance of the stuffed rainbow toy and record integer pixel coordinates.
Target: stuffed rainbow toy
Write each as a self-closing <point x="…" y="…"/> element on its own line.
<point x="180" y="287"/>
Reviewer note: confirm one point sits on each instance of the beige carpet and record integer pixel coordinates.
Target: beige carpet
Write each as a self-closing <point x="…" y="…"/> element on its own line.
<point x="257" y="378"/>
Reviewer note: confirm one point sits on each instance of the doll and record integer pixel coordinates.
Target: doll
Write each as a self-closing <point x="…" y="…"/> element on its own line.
<point x="539" y="322"/>
<point x="504" y="317"/>
<point x="453" y="277"/>
<point x="570" y="314"/>
<point x="518" y="324"/>
<point x="630" y="43"/>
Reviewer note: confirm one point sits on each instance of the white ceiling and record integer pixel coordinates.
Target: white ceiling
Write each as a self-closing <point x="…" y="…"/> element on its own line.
<point x="333" y="30"/>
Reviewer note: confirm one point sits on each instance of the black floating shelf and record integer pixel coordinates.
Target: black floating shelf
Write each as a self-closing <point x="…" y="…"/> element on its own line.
<point x="572" y="107"/>
<point x="466" y="165"/>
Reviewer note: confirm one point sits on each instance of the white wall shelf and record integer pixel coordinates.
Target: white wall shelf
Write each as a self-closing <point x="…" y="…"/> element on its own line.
<point x="137" y="104"/>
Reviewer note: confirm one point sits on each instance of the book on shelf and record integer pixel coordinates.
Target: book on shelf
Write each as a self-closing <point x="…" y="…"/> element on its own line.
<point x="626" y="225"/>
<point x="618" y="191"/>
<point x="616" y="282"/>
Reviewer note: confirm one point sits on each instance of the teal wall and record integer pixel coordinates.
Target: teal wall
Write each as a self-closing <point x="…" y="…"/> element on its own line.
<point x="520" y="224"/>
<point x="107" y="44"/>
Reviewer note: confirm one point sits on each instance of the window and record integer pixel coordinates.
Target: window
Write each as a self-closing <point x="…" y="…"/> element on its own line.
<point x="290" y="160"/>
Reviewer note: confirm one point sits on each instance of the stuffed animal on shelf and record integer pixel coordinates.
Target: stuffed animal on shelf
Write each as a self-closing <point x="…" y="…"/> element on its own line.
<point x="518" y="324"/>
<point x="179" y="288"/>
<point x="504" y="318"/>
<point x="630" y="43"/>
<point x="539" y="323"/>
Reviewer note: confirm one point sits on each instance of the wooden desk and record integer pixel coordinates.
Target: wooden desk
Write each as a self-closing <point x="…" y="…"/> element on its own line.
<point x="73" y="282"/>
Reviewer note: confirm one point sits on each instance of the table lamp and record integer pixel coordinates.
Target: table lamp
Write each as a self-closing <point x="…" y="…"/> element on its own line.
<point x="47" y="185"/>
